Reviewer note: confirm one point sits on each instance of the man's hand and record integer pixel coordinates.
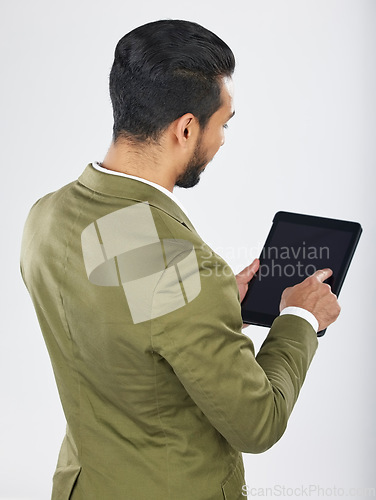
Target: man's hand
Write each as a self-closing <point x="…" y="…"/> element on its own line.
<point x="245" y="276"/>
<point x="314" y="296"/>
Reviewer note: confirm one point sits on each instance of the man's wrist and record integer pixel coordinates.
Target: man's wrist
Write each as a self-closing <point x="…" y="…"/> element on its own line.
<point x="302" y="313"/>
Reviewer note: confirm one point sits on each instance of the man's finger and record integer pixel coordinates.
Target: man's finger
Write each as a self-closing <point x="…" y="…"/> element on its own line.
<point x="249" y="271"/>
<point x="323" y="274"/>
<point x="252" y="269"/>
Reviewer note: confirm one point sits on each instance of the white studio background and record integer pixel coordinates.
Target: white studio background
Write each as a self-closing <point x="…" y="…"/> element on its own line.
<point x="303" y="140"/>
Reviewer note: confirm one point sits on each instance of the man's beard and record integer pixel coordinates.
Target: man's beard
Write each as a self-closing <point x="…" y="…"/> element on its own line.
<point x="191" y="175"/>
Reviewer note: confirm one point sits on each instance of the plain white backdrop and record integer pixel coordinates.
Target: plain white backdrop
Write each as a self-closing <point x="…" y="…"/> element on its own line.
<point x="303" y="140"/>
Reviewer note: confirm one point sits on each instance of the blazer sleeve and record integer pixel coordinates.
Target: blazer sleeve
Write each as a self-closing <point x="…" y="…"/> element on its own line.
<point x="247" y="399"/>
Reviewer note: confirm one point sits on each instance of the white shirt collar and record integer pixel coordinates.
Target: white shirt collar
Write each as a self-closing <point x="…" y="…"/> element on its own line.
<point x="140" y="179"/>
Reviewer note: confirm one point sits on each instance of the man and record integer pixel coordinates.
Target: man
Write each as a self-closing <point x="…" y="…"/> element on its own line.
<point x="160" y="388"/>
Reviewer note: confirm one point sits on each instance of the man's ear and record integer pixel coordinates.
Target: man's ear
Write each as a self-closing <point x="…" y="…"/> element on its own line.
<point x="186" y="129"/>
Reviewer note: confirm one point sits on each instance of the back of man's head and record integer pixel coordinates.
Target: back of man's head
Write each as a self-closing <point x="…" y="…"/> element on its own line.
<point x="163" y="70"/>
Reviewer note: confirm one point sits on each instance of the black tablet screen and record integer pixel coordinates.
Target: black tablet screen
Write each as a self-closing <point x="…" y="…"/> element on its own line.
<point x="295" y="252"/>
<point x="296" y="248"/>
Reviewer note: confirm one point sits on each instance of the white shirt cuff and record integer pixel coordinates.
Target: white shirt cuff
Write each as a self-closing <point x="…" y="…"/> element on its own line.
<point x="302" y="313"/>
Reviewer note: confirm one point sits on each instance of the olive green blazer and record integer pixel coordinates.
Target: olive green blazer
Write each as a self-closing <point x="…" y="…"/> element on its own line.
<point x="160" y="388"/>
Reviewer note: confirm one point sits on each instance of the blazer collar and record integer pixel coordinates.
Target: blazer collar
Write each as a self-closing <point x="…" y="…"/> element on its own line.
<point x="131" y="189"/>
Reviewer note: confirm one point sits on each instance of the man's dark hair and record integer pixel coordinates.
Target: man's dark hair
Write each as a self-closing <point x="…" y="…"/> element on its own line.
<point x="163" y="70"/>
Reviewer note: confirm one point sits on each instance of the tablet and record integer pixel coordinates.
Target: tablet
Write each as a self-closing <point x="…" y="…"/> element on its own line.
<point x="296" y="247"/>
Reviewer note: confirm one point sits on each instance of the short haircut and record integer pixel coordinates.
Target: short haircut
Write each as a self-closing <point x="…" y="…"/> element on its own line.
<point x="163" y="70"/>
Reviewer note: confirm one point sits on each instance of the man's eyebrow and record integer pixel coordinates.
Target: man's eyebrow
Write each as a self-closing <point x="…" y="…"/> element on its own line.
<point x="232" y="114"/>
